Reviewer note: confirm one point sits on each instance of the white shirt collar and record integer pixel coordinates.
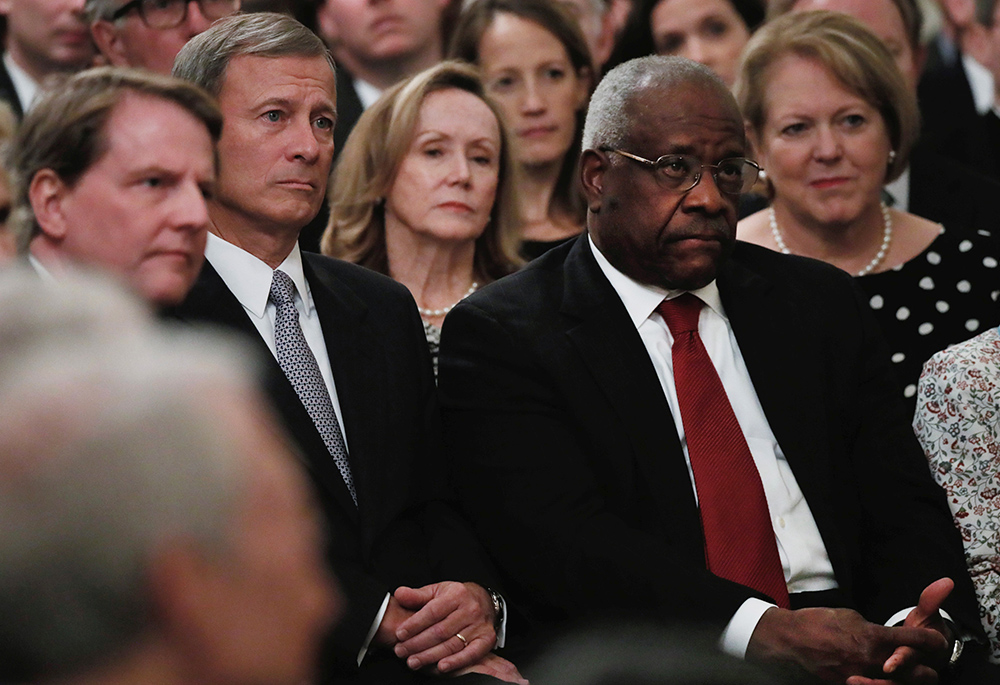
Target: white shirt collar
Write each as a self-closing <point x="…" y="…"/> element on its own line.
<point x="980" y="83"/>
<point x="367" y="93"/>
<point x="641" y="300"/>
<point x="25" y="86"/>
<point x="249" y="278"/>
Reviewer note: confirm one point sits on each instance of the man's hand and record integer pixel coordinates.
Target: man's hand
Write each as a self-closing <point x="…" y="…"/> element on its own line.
<point x="497" y="667"/>
<point x="905" y="659"/>
<point x="836" y="644"/>
<point x="393" y="617"/>
<point x="443" y="610"/>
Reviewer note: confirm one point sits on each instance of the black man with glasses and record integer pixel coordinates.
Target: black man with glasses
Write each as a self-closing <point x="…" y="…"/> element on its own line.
<point x="150" y="33"/>
<point x="659" y="422"/>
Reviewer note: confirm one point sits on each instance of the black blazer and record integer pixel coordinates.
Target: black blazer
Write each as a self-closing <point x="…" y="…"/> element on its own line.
<point x="402" y="531"/>
<point x="569" y="464"/>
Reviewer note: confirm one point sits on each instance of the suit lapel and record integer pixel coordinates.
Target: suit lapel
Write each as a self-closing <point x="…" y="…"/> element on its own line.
<point x="786" y="369"/>
<point x="614" y="354"/>
<point x="211" y="300"/>
<point x="354" y="350"/>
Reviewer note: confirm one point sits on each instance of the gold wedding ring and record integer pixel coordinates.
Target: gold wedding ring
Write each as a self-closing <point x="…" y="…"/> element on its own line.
<point x="462" y="638"/>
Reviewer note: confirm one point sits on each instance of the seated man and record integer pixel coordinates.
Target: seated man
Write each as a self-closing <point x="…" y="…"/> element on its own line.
<point x="149" y="33"/>
<point x="349" y="368"/>
<point x="110" y="170"/>
<point x="758" y="467"/>
<point x="40" y="38"/>
<point x="154" y="526"/>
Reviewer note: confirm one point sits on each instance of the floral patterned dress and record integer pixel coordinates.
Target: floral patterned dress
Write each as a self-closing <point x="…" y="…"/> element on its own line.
<point x="958" y="423"/>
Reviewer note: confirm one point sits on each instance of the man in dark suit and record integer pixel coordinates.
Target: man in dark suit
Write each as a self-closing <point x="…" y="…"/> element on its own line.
<point x="348" y="364"/>
<point x="571" y="422"/>
<point x="41" y="38"/>
<point x="110" y="172"/>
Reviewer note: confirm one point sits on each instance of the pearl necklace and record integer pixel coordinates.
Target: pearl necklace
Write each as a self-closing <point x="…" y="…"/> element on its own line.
<point x="432" y="313"/>
<point x="883" y="250"/>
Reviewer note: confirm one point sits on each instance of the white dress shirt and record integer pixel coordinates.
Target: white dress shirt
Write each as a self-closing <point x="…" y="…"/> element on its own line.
<point x="249" y="279"/>
<point x="25" y="86"/>
<point x="803" y="555"/>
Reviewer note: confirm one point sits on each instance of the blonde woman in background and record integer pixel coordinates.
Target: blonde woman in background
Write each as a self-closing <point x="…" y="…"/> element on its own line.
<point x="421" y="192"/>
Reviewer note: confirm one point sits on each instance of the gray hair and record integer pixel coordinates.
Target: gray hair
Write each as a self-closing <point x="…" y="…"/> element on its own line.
<point x="108" y="448"/>
<point x="608" y="122"/>
<point x="203" y="59"/>
<point x="97" y="10"/>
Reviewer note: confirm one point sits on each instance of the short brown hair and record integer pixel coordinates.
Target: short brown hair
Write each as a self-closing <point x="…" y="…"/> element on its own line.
<point x="371" y="159"/>
<point x="855" y="57"/>
<point x="65" y="129"/>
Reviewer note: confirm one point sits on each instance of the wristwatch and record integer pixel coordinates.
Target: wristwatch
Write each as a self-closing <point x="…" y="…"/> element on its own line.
<point x="499" y="609"/>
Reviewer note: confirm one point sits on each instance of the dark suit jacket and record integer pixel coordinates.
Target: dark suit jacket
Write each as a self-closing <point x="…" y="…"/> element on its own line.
<point x="952" y="194"/>
<point x="402" y="532"/>
<point x="570" y="467"/>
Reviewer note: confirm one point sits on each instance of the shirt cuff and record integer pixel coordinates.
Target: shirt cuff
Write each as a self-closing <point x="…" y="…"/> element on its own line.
<point x="374" y="629"/>
<point x="900" y="616"/>
<point x="737" y="634"/>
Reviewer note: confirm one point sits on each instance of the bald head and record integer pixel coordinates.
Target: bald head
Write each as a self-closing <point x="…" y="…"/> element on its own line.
<point x="621" y="99"/>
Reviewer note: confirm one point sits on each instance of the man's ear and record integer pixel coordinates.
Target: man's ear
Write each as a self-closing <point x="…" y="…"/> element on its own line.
<point x="46" y="194"/>
<point x="109" y="42"/>
<point x="592" y="166"/>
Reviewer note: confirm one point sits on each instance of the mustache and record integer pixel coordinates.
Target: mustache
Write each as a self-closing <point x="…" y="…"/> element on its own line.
<point x="711" y="229"/>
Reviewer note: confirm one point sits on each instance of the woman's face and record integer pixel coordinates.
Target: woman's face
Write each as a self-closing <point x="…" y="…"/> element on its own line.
<point x="706" y="31"/>
<point x="529" y="74"/>
<point x="825" y="149"/>
<point x="447" y="180"/>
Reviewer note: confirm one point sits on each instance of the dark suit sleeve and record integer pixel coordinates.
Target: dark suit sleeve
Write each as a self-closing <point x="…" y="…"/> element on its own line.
<point x="538" y="491"/>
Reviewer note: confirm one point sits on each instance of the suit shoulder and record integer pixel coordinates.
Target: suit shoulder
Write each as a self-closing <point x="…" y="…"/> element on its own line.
<point x="368" y="285"/>
<point x="790" y="270"/>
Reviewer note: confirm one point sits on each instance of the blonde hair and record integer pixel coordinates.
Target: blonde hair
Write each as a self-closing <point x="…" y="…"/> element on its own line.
<point x="855" y="57"/>
<point x="371" y="159"/>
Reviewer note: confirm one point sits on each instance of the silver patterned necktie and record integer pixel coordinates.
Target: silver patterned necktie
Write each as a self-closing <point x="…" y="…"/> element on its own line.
<point x="299" y="364"/>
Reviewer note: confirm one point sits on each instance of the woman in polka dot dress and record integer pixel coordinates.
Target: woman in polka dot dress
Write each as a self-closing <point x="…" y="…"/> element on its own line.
<point x="832" y="120"/>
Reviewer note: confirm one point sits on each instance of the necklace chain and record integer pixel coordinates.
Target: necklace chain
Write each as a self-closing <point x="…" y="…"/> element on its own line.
<point x="431" y="313"/>
<point x="883" y="250"/>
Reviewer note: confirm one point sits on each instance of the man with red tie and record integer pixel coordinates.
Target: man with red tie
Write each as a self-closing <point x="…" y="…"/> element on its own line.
<point x="683" y="428"/>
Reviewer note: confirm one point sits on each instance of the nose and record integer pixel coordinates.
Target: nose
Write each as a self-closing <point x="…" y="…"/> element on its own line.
<point x="694" y="49"/>
<point x="459" y="172"/>
<point x="302" y="143"/>
<point x="534" y="100"/>
<point x="827" y="145"/>
<point x="196" y="22"/>
<point x="192" y="209"/>
<point x="705" y="196"/>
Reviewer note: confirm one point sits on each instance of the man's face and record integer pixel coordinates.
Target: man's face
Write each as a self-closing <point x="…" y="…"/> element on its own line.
<point x="129" y="42"/>
<point x="654" y="235"/>
<point x="374" y="32"/>
<point x="277" y="142"/>
<point x="882" y="17"/>
<point x="139" y="211"/>
<point x="47" y="36"/>
<point x="272" y="597"/>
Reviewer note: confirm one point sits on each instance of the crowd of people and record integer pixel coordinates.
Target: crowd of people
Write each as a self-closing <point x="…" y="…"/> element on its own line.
<point x="561" y="341"/>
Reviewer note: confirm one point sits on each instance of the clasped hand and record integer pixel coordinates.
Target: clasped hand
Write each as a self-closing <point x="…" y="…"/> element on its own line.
<point x="422" y="625"/>
<point x="840" y="645"/>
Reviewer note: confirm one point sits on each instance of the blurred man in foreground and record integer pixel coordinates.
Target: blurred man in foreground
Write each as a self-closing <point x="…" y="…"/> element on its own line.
<point x="155" y="527"/>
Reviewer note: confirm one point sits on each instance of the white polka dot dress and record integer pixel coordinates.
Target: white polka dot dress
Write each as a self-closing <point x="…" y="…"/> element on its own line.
<point x="943" y="296"/>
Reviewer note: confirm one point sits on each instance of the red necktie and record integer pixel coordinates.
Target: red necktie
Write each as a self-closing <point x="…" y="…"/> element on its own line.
<point x="739" y="539"/>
